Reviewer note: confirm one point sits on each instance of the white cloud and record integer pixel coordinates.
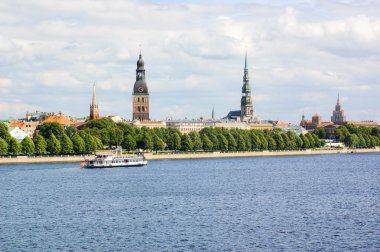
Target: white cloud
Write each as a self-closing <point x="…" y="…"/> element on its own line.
<point x="299" y="52"/>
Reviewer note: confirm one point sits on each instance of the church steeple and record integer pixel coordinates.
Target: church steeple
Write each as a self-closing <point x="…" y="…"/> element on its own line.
<point x="140" y="94"/>
<point x="94" y="109"/>
<point x="246" y="107"/>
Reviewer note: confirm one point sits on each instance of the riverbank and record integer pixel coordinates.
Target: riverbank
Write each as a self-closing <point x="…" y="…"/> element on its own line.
<point x="163" y="156"/>
<point x="152" y="156"/>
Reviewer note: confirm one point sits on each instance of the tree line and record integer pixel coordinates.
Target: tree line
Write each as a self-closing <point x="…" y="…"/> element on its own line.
<point x="104" y="133"/>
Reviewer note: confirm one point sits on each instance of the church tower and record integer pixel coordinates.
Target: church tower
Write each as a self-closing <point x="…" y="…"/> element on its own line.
<point x="94" y="109"/>
<point x="140" y="95"/>
<point x="338" y="116"/>
<point x="246" y="108"/>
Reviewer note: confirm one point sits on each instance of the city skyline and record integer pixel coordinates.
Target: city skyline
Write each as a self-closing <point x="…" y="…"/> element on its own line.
<point x="300" y="56"/>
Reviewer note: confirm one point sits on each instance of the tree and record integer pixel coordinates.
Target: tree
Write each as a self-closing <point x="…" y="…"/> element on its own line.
<point x="53" y="145"/>
<point x="89" y="141"/>
<point x="3" y="147"/>
<point x="232" y="145"/>
<point x="4" y="133"/>
<point x="240" y="143"/>
<point x="321" y="133"/>
<point x="351" y="140"/>
<point x="27" y="146"/>
<point x="186" y="143"/>
<point x="305" y="142"/>
<point x="196" y="139"/>
<point x="310" y="138"/>
<point x="341" y="133"/>
<point x="48" y="128"/>
<point x="39" y="144"/>
<point x="298" y="142"/>
<point x="79" y="145"/>
<point x="146" y="142"/>
<point x="279" y="141"/>
<point x="223" y="143"/>
<point x="70" y="131"/>
<point x="206" y="142"/>
<point x="129" y="142"/>
<point x="66" y="145"/>
<point x="175" y="141"/>
<point x="158" y="144"/>
<point x="255" y="140"/>
<point x="14" y="146"/>
<point x="99" y="144"/>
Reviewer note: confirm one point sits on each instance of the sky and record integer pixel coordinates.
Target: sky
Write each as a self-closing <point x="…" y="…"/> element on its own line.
<point x="301" y="54"/>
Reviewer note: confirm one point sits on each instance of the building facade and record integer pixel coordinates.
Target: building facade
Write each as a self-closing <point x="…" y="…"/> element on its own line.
<point x="94" y="108"/>
<point x="338" y="116"/>
<point x="140" y="95"/>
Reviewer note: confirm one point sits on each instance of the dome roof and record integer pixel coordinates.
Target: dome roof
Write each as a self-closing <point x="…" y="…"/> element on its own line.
<point x="140" y="87"/>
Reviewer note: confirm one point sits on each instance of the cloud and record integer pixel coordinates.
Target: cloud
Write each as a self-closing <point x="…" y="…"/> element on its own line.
<point x="299" y="52"/>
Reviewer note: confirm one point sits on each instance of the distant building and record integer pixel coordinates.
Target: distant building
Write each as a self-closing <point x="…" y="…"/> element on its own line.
<point x="299" y="130"/>
<point x="311" y="125"/>
<point x="61" y="119"/>
<point x="17" y="133"/>
<point x="28" y="127"/>
<point x="338" y="116"/>
<point x="368" y="124"/>
<point x="245" y="114"/>
<point x="140" y="96"/>
<point x="115" y="118"/>
<point x="149" y="124"/>
<point x="187" y="126"/>
<point x="94" y="108"/>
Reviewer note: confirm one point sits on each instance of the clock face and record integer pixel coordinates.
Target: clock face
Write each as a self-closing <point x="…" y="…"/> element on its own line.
<point x="141" y="89"/>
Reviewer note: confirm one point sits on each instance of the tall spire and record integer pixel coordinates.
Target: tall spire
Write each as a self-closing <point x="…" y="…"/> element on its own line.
<point x="338" y="102"/>
<point x="93" y="95"/>
<point x="94" y="109"/>
<point x="245" y="63"/>
<point x="213" y="114"/>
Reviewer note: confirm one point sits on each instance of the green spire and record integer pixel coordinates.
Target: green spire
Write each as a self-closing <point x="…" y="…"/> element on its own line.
<point x="245" y="63"/>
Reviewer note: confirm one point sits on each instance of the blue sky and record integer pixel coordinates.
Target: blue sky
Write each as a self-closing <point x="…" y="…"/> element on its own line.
<point x="301" y="54"/>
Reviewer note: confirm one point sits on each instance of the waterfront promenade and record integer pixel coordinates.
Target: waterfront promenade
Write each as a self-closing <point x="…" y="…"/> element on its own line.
<point x="189" y="155"/>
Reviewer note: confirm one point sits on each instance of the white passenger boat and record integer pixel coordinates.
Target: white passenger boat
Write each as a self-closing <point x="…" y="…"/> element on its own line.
<point x="111" y="161"/>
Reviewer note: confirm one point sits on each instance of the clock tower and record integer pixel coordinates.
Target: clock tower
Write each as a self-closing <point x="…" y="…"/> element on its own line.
<point x="140" y="95"/>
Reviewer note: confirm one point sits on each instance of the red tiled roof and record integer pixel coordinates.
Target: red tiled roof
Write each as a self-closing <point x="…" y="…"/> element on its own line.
<point x="61" y="119"/>
<point x="16" y="124"/>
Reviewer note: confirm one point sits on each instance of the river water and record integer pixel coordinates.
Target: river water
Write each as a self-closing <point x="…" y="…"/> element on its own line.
<point x="302" y="203"/>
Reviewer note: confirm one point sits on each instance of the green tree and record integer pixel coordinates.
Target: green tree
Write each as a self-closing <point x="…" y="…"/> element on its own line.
<point x="53" y="145"/>
<point x="196" y="139"/>
<point x="48" y="128"/>
<point x="3" y="147"/>
<point x="279" y="141"/>
<point x="341" y="133"/>
<point x="66" y="145"/>
<point x="206" y="142"/>
<point x="298" y="142"/>
<point x="14" y="146"/>
<point x="240" y="143"/>
<point x="186" y="143"/>
<point x="27" y="146"/>
<point x="321" y="133"/>
<point x="89" y="141"/>
<point x="176" y="141"/>
<point x="232" y="145"/>
<point x="99" y="144"/>
<point x="255" y="140"/>
<point x="146" y="141"/>
<point x="129" y="142"/>
<point x="4" y="133"/>
<point x="351" y="140"/>
<point x="223" y="143"/>
<point x="39" y="144"/>
<point x="79" y="145"/>
<point x="312" y="143"/>
<point x="70" y="131"/>
<point x="305" y="142"/>
<point x="158" y="144"/>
